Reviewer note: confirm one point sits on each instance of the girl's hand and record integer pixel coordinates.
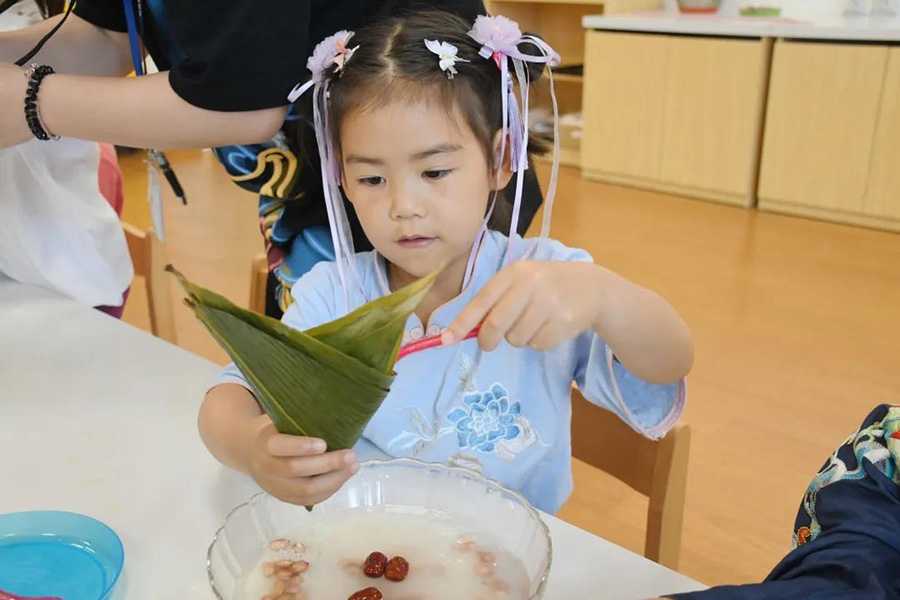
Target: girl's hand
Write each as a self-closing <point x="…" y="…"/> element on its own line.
<point x="540" y="304"/>
<point x="298" y="469"/>
<point x="13" y="87"/>
<point x="534" y="304"/>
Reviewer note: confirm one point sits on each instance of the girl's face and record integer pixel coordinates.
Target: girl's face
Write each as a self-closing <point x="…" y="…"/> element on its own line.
<point x="420" y="184"/>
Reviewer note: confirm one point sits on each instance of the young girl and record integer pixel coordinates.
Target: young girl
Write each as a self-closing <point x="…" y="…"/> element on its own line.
<point x="417" y="127"/>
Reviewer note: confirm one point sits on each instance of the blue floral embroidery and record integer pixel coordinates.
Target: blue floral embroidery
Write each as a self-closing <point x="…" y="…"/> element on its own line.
<point x="487" y="418"/>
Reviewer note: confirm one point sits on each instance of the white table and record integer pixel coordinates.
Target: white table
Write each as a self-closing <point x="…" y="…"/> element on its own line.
<point x="99" y="418"/>
<point x="828" y="27"/>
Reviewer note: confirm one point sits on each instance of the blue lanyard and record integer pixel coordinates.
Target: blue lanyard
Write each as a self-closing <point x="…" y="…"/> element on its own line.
<point x="137" y="55"/>
<point x="135" y="22"/>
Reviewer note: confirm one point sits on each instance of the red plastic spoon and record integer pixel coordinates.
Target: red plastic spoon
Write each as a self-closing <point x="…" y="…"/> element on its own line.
<point x="425" y="344"/>
<point x="8" y="596"/>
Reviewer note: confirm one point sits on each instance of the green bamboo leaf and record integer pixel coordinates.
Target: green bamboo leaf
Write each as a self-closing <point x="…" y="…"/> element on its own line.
<point x="327" y="382"/>
<point x="371" y="329"/>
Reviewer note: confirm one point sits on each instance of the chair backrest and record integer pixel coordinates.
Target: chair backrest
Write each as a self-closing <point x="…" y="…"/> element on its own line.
<point x="148" y="255"/>
<point x="310" y="247"/>
<point x="259" y="279"/>
<point x="657" y="469"/>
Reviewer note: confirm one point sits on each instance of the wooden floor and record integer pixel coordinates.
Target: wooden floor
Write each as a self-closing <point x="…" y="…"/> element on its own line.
<point x="796" y="324"/>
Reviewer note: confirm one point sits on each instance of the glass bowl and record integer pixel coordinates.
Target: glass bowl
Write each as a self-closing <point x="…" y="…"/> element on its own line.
<point x="468" y="499"/>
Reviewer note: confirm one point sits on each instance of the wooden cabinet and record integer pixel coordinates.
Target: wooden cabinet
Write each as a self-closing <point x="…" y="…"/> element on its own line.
<point x="711" y="116"/>
<point x="625" y="79"/>
<point x="807" y="127"/>
<point x="832" y="141"/>
<point x="820" y="126"/>
<point x="559" y="23"/>
<point x="675" y="113"/>
<point x="883" y="194"/>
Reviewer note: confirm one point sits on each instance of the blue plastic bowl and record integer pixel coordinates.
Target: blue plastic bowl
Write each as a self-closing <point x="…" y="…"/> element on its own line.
<point x="47" y="553"/>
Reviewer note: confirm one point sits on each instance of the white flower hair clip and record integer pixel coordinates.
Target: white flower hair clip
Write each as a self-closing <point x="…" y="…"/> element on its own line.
<point x="330" y="52"/>
<point x="447" y="55"/>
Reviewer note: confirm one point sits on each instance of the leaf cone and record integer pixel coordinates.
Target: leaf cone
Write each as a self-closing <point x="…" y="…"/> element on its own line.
<point x="326" y="382"/>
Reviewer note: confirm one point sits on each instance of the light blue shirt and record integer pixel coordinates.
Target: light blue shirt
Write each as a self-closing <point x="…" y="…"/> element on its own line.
<point x="505" y="413"/>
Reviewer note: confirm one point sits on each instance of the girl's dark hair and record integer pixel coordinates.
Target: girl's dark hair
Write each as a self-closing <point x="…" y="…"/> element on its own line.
<point x="391" y="61"/>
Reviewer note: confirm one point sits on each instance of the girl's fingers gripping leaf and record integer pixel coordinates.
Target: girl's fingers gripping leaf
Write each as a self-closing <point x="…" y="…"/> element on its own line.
<point x="310" y="466"/>
<point x="291" y="445"/>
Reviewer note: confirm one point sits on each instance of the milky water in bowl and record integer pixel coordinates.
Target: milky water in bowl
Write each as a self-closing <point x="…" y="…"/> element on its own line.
<point x="447" y="561"/>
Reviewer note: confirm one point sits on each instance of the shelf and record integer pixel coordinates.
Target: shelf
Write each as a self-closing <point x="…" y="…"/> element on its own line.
<point x="567" y="78"/>
<point x="568" y="157"/>
<point x="583" y="2"/>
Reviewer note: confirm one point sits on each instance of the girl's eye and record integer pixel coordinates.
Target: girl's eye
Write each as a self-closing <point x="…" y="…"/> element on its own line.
<point x="372" y="181"/>
<point x="435" y="174"/>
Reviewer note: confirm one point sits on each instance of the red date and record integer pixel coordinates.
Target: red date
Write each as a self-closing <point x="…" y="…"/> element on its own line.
<point x="375" y="565"/>
<point x="369" y="593"/>
<point x="397" y="569"/>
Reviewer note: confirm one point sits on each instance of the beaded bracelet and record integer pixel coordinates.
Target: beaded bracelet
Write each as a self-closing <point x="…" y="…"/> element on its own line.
<point x="36" y="75"/>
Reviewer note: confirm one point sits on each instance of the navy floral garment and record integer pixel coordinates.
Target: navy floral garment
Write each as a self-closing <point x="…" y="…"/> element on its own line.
<point x="847" y="533"/>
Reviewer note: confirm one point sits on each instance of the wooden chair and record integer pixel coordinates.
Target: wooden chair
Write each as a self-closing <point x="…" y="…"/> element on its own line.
<point x="655" y="469"/>
<point x="149" y="258"/>
<point x="259" y="278"/>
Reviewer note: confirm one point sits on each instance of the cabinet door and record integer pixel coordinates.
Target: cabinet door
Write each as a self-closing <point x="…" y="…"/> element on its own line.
<point x="624" y="85"/>
<point x="713" y="106"/>
<point x="883" y="198"/>
<point x="823" y="105"/>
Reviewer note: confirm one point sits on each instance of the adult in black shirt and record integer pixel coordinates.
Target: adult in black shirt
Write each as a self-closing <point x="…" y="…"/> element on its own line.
<point x="226" y="69"/>
<point x="230" y="65"/>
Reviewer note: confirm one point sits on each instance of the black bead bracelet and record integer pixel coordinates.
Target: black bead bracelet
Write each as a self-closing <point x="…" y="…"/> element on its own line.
<point x="36" y="75"/>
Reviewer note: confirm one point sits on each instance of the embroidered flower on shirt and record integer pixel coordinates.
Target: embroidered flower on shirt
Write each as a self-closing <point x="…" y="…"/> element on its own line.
<point x="488" y="418"/>
<point x="466" y="461"/>
<point x="467" y="374"/>
<point x="508" y="449"/>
